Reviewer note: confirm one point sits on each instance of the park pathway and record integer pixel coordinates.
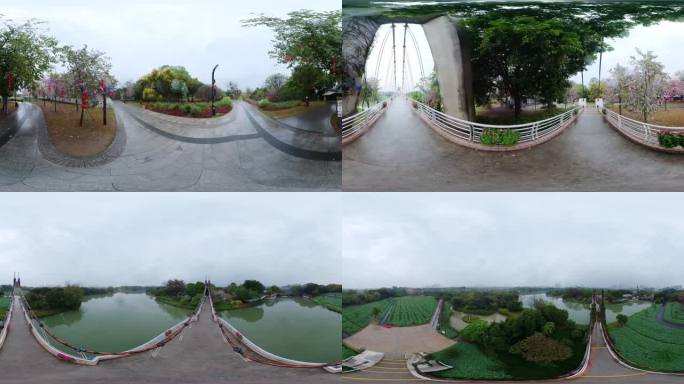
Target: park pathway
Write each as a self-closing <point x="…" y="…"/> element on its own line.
<point x="401" y="153"/>
<point x="155" y="162"/>
<point x="199" y="356"/>
<point x="660" y="318"/>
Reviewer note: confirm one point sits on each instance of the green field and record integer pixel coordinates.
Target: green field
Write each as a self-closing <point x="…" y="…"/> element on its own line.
<point x="674" y="312"/>
<point x="4" y="306"/>
<point x="412" y="310"/>
<point x="332" y="301"/>
<point x="357" y="317"/>
<point x="647" y="344"/>
<point x="469" y="362"/>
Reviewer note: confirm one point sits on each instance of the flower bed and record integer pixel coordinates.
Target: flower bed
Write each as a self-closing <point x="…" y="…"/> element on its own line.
<point x="198" y="110"/>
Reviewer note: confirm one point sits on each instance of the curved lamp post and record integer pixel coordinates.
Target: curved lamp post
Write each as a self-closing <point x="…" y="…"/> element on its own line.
<point x="213" y="91"/>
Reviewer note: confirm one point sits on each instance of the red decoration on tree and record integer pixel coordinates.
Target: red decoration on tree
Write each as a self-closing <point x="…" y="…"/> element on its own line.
<point x="103" y="86"/>
<point x="84" y="99"/>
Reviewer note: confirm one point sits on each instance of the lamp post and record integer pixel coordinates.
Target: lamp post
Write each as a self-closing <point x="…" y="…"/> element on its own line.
<point x="213" y="91"/>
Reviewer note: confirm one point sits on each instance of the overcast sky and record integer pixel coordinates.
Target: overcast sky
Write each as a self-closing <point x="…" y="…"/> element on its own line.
<point x="147" y="238"/>
<point x="514" y="239"/>
<point x="664" y="39"/>
<point x="140" y="35"/>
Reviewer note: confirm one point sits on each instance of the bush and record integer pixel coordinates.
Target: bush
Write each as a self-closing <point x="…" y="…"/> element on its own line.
<point x="541" y="349"/>
<point x="224" y="102"/>
<point x="670" y="140"/>
<point x="150" y="94"/>
<point x="497" y="136"/>
<point x="264" y="103"/>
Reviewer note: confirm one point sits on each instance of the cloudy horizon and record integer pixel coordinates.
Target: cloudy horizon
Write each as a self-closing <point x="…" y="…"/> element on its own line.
<point x="510" y="239"/>
<point x="148" y="238"/>
<point x="139" y="36"/>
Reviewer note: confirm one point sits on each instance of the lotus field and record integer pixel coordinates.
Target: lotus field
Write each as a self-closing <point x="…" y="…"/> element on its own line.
<point x="647" y="344"/>
<point x="412" y="310"/>
<point x="469" y="362"/>
<point x="357" y="317"/>
<point x="674" y="312"/>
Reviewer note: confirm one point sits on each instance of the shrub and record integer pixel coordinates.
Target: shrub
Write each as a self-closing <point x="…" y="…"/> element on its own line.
<point x="263" y="103"/>
<point x="670" y="140"/>
<point x="541" y="349"/>
<point x="150" y="94"/>
<point x="497" y="136"/>
<point x="224" y="102"/>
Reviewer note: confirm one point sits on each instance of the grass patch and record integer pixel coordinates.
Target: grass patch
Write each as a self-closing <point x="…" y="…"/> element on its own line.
<point x="444" y="326"/>
<point x="647" y="344"/>
<point x="174" y="301"/>
<point x="357" y="317"/>
<point x="506" y="117"/>
<point x="469" y="362"/>
<point x="348" y="352"/>
<point x="412" y="310"/>
<point x="4" y="306"/>
<point x="332" y="301"/>
<point x="71" y="139"/>
<point x="284" y="109"/>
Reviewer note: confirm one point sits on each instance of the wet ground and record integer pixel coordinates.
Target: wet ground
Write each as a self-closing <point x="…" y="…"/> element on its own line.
<point x="160" y="155"/>
<point x="401" y="153"/>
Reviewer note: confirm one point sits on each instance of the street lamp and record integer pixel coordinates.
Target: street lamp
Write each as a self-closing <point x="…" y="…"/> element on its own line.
<point x="213" y="91"/>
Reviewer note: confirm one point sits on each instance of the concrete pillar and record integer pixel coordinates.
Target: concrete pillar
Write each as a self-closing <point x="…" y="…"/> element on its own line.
<point x="358" y="34"/>
<point x="452" y="63"/>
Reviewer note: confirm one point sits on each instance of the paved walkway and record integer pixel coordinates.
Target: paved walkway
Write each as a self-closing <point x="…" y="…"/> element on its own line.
<point x="316" y="119"/>
<point x="397" y="341"/>
<point x="200" y="356"/>
<point x="602" y="369"/>
<point x="154" y="162"/>
<point x="401" y="153"/>
<point x="660" y="318"/>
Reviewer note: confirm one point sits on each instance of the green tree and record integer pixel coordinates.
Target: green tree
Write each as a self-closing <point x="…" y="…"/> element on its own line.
<point x="376" y="312"/>
<point x="523" y="56"/>
<point x="73" y="296"/>
<point x="254" y="285"/>
<point x="621" y="319"/>
<point x="174" y="287"/>
<point x="26" y="54"/>
<point x="475" y="332"/>
<point x="306" y="38"/>
<point x="647" y="85"/>
<point x="541" y="349"/>
<point x="548" y="328"/>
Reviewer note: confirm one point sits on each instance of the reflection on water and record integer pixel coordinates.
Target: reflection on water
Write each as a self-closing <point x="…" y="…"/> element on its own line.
<point x="114" y="323"/>
<point x="293" y="328"/>
<point x="580" y="312"/>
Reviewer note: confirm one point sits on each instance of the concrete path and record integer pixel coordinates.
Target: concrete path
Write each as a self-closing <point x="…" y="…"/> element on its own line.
<point x="401" y="153"/>
<point x="316" y="119"/>
<point x="660" y="319"/>
<point x="154" y="162"/>
<point x="397" y="341"/>
<point x="200" y="356"/>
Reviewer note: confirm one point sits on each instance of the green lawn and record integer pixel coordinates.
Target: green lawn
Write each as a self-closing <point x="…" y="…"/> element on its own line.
<point x="332" y="301"/>
<point x="4" y="306"/>
<point x="647" y="344"/>
<point x="412" y="310"/>
<point x="348" y="352"/>
<point x="469" y="362"/>
<point x="357" y="317"/>
<point x="674" y="312"/>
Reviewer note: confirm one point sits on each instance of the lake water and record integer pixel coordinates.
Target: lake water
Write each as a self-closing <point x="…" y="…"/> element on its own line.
<point x="297" y="329"/>
<point x="114" y="323"/>
<point x="580" y="313"/>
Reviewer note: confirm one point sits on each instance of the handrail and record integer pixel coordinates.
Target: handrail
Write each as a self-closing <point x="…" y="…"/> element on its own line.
<point x="8" y="319"/>
<point x="353" y="126"/>
<point x="471" y="132"/>
<point x="639" y="131"/>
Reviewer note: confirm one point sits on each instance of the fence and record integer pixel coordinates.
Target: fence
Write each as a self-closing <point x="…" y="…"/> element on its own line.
<point x="640" y="132"/>
<point x="469" y="133"/>
<point x="8" y="319"/>
<point x="355" y="125"/>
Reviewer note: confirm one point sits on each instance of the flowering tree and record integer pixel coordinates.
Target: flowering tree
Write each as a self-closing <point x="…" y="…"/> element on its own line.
<point x="648" y="84"/>
<point x="673" y="89"/>
<point x="619" y="84"/>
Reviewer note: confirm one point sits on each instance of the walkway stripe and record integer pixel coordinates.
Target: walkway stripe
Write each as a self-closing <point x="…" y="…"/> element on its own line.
<point x="405" y="372"/>
<point x="614" y="376"/>
<point x="378" y="379"/>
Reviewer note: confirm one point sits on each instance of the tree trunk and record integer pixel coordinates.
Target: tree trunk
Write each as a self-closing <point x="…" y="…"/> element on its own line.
<point x="5" y="105"/>
<point x="517" y="102"/>
<point x="80" y="123"/>
<point x="620" y="104"/>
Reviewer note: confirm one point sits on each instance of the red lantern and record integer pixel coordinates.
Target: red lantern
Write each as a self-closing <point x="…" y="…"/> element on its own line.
<point x="84" y="100"/>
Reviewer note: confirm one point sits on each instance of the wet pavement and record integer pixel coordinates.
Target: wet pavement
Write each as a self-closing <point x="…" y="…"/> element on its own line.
<point x="401" y="153"/>
<point x="316" y="119"/>
<point x="199" y="356"/>
<point x="152" y="161"/>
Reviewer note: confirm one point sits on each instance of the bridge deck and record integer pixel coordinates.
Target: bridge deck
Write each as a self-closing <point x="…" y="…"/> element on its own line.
<point x="200" y="356"/>
<point x="401" y="153"/>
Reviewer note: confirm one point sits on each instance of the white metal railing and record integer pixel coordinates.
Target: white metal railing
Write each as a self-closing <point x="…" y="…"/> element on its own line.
<point x="351" y="125"/>
<point x="472" y="131"/>
<point x="640" y="131"/>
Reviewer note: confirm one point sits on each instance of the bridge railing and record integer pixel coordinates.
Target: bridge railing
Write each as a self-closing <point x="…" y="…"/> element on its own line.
<point x="6" y="325"/>
<point x="353" y="126"/>
<point x="644" y="133"/>
<point x="465" y="131"/>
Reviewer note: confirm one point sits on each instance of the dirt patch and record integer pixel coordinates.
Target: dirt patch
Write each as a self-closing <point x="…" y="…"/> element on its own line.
<point x="71" y="139"/>
<point x="673" y="117"/>
<point x="290" y="112"/>
<point x="420" y="338"/>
